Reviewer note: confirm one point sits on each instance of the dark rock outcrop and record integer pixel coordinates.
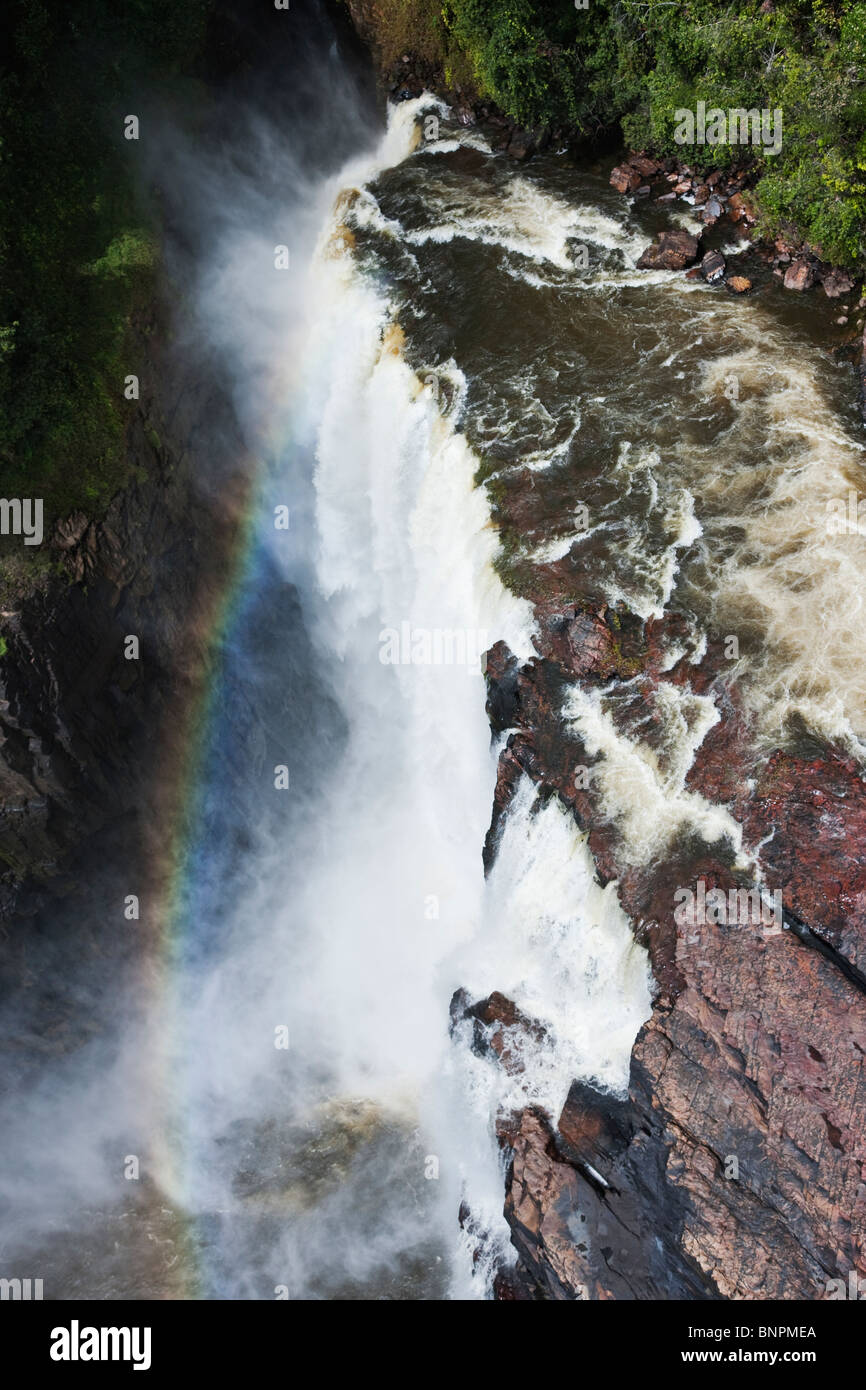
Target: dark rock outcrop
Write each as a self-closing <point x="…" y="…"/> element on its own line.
<point x="78" y="720"/>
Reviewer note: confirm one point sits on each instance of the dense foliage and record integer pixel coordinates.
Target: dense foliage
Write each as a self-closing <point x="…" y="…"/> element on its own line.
<point x="634" y="62"/>
<point x="76" y="246"/>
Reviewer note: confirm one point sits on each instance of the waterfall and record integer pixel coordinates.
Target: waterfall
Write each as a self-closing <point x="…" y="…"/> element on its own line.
<point x="440" y="391"/>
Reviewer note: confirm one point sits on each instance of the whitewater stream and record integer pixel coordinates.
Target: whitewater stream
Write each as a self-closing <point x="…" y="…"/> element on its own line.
<point x="466" y="383"/>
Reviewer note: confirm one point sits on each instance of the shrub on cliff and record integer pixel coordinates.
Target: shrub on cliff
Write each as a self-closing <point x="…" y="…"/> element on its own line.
<point x="635" y="62"/>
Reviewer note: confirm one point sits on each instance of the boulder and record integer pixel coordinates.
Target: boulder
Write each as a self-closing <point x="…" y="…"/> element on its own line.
<point x="738" y="284"/>
<point x="500" y="1030"/>
<point x="836" y="283"/>
<point x="713" y="267"/>
<point x="646" y="167"/>
<point x="670" y="251"/>
<point x="799" y="276"/>
<point x="625" y="178"/>
<point x="525" y="143"/>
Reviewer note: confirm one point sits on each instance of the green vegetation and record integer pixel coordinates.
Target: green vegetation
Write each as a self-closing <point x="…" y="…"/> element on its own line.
<point x="634" y="62"/>
<point x="77" y="244"/>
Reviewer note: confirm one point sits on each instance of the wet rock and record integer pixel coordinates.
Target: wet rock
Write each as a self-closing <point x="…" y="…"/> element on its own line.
<point x="738" y="284"/>
<point x="671" y="251"/>
<point x="736" y="207"/>
<point x="513" y="1286"/>
<point x="78" y="721"/>
<point x="522" y="145"/>
<point x="578" y="1237"/>
<point x="645" y="166"/>
<point x="800" y="276"/>
<point x="733" y="1167"/>
<point x="836" y="283"/>
<point x="503" y="690"/>
<point x="818" y="861"/>
<point x="712" y="212"/>
<point x="643" y="192"/>
<point x="500" y="1030"/>
<point x="713" y="267"/>
<point x="625" y="178"/>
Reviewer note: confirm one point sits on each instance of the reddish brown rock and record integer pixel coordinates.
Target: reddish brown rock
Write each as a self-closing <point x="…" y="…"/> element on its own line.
<point x="736" y="207"/>
<point x="625" y="179"/>
<point x="645" y="166"/>
<point x="799" y="276"/>
<point x="811" y="817"/>
<point x="671" y="251"/>
<point x="735" y="1166"/>
<point x="500" y="1030"/>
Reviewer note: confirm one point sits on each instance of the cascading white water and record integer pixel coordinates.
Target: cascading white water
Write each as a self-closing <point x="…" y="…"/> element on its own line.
<point x="404" y="917"/>
<point x="355" y="918"/>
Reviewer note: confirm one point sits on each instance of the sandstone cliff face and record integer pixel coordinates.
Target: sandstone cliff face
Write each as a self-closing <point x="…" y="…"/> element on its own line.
<point x="84" y="732"/>
<point x="735" y="1167"/>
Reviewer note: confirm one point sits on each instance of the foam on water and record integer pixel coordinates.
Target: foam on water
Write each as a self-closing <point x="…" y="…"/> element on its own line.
<point x="522" y="218"/>
<point x="789" y="576"/>
<point x="405" y="538"/>
<point x="644" y="787"/>
<point x="559" y="945"/>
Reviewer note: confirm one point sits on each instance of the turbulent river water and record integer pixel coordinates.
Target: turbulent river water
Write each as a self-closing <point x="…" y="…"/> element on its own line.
<point x="485" y="397"/>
